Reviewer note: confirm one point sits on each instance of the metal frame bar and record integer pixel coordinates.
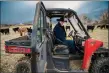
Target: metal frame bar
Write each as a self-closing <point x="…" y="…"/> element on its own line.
<point x="34" y="53"/>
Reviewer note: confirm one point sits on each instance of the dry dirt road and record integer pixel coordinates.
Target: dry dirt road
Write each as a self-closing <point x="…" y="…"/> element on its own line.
<point x="8" y="61"/>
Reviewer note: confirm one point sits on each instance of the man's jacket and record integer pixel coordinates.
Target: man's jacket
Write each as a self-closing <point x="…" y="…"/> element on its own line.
<point x="59" y="32"/>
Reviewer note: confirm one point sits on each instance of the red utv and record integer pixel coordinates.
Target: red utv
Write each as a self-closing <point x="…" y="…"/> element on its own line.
<point x="45" y="53"/>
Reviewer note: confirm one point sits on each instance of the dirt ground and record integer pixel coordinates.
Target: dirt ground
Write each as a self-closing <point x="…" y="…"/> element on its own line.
<point x="8" y="61"/>
<point x="101" y="35"/>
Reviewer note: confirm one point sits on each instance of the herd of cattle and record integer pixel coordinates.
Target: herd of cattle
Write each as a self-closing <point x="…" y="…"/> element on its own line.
<point x="99" y="26"/>
<point x="6" y="31"/>
<point x="92" y="27"/>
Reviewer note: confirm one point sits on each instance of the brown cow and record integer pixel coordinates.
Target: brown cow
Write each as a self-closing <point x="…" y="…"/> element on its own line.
<point x="22" y="31"/>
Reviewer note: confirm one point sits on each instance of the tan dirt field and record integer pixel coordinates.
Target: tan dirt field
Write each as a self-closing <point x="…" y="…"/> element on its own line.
<point x="8" y="61"/>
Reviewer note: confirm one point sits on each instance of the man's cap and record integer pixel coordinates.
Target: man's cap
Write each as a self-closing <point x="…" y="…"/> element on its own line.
<point x="61" y="19"/>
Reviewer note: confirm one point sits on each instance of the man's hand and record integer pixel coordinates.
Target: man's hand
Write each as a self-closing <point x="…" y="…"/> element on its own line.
<point x="70" y="34"/>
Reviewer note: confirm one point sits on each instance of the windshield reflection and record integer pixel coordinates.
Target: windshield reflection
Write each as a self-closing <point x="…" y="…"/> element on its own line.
<point x="77" y="25"/>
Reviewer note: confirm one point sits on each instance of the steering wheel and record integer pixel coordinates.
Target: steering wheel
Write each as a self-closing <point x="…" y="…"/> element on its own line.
<point x="77" y="39"/>
<point x="70" y="34"/>
<point x="74" y="36"/>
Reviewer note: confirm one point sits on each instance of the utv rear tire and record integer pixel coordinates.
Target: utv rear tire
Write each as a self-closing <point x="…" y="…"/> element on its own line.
<point x="100" y="65"/>
<point x="23" y="66"/>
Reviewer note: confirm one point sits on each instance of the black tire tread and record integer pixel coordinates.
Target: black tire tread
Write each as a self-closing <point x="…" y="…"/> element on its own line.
<point x="24" y="60"/>
<point x="98" y="63"/>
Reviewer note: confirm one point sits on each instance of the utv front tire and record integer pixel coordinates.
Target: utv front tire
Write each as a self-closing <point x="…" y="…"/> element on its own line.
<point x="100" y="65"/>
<point x="23" y="66"/>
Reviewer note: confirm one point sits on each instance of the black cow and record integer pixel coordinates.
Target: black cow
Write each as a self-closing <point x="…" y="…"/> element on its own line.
<point x="90" y="28"/>
<point x="15" y="29"/>
<point x="98" y="26"/>
<point x="107" y="26"/>
<point x="2" y="31"/>
<point x="5" y="31"/>
<point x="29" y="30"/>
<point x="67" y="27"/>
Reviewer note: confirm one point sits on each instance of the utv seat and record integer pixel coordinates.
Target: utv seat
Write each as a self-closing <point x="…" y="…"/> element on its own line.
<point x="59" y="47"/>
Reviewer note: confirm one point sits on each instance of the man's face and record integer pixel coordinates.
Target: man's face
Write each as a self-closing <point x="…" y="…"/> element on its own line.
<point x="62" y="23"/>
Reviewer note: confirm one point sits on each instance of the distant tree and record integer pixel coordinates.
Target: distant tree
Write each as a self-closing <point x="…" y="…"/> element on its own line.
<point x="86" y="19"/>
<point x="104" y="18"/>
<point x="95" y="22"/>
<point x="89" y="20"/>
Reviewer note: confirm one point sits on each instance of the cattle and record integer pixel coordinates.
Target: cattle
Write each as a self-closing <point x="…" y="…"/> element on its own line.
<point x="22" y="31"/>
<point x="29" y="30"/>
<point x="5" y="31"/>
<point x="15" y="29"/>
<point x="98" y="26"/>
<point x="67" y="27"/>
<point x="90" y="28"/>
<point x="107" y="26"/>
<point x="102" y="26"/>
<point x="2" y="31"/>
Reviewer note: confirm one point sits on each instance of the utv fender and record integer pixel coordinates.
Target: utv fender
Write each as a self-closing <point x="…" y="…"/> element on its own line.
<point x="91" y="45"/>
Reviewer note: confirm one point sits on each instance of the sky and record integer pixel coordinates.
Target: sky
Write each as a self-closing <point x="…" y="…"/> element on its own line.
<point x="64" y="4"/>
<point x="15" y="12"/>
<point x="93" y="9"/>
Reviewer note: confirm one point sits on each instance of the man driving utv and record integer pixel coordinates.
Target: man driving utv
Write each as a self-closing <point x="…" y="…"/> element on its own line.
<point x="60" y="34"/>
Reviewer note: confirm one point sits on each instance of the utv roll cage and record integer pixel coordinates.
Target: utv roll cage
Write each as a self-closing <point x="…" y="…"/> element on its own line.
<point x="59" y="12"/>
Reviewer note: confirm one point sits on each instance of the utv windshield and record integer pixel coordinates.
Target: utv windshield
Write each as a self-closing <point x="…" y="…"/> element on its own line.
<point x="76" y="24"/>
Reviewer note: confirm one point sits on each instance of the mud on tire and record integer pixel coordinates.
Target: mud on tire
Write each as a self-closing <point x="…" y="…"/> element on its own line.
<point x="23" y="66"/>
<point x="100" y="65"/>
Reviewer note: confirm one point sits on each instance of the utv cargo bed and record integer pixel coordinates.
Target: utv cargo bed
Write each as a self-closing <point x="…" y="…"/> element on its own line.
<point x="18" y="45"/>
